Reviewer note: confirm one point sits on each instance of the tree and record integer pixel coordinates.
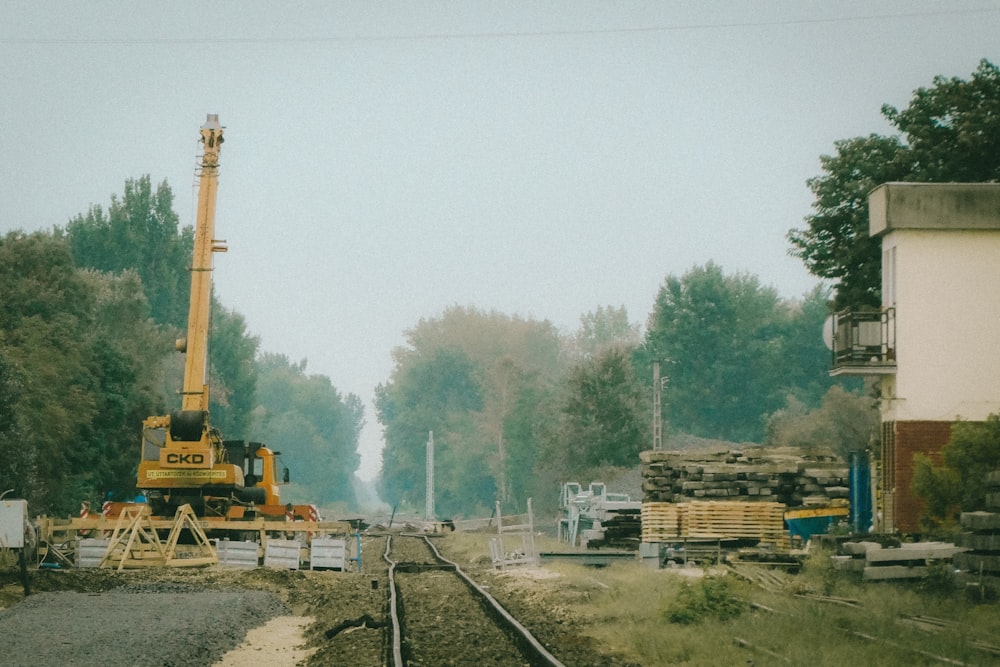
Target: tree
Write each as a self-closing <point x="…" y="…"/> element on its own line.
<point x="836" y="244"/>
<point x="127" y="355"/>
<point x="805" y="360"/>
<point x="232" y="356"/>
<point x="139" y="231"/>
<point x="953" y="128"/>
<point x="949" y="132"/>
<point x="437" y="393"/>
<point x="721" y="338"/>
<point x="18" y="460"/>
<point x="605" y="416"/>
<point x="845" y="422"/>
<point x="313" y="425"/>
<point x="482" y="383"/>
<point x="45" y="315"/>
<point x="958" y="483"/>
<point x="605" y="327"/>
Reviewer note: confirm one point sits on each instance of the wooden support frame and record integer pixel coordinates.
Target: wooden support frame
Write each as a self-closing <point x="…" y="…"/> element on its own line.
<point x="135" y="543"/>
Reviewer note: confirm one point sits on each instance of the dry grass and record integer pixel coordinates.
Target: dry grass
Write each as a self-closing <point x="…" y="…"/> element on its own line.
<point x="626" y="607"/>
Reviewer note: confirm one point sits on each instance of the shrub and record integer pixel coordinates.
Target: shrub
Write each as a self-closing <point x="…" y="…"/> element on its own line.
<point x="710" y="598"/>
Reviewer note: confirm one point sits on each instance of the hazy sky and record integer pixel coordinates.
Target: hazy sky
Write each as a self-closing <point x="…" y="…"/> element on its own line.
<point x="385" y="160"/>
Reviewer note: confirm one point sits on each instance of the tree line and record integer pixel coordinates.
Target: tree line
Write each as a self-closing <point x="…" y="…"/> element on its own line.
<point x="88" y="316"/>
<point x="516" y="408"/>
<point x="88" y="313"/>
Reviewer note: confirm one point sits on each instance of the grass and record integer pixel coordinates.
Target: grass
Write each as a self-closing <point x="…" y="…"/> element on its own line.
<point x="659" y="617"/>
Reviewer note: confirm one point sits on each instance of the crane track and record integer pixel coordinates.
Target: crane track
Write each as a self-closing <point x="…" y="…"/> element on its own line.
<point x="424" y="634"/>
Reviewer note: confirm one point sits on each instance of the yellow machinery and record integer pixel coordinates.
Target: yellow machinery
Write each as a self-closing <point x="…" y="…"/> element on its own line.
<point x="194" y="481"/>
<point x="184" y="460"/>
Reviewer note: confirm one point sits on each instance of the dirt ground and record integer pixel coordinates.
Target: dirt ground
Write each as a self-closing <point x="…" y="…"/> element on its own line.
<point x="214" y="616"/>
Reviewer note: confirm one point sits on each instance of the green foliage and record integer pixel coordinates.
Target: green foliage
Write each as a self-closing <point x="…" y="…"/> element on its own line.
<point x="950" y="132"/>
<point x="45" y="317"/>
<point x="711" y="598"/>
<point x="19" y="461"/>
<point x="958" y="483"/>
<point x="952" y="129"/>
<point x="836" y="244"/>
<point x="232" y="355"/>
<point x="819" y="572"/>
<point x="805" y="360"/>
<point x="126" y="363"/>
<point x="314" y="427"/>
<point x="722" y="338"/>
<point x="940" y="579"/>
<point x="605" y="416"/>
<point x="139" y="231"/>
<point x="85" y="353"/>
<point x="437" y="394"/>
<point x="511" y="420"/>
<point x="483" y="384"/>
<point x="844" y="422"/>
<point x="607" y="326"/>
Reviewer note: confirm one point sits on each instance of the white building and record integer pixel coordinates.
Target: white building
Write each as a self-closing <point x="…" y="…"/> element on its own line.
<point x="935" y="345"/>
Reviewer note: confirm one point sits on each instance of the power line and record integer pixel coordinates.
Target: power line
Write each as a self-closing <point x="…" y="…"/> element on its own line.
<point x="475" y="35"/>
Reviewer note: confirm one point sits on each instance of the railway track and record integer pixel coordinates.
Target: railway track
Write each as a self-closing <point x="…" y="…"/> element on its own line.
<point x="440" y="616"/>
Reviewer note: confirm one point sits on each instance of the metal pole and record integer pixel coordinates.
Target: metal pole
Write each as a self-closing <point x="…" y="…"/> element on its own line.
<point x="429" y="504"/>
<point x="657" y="417"/>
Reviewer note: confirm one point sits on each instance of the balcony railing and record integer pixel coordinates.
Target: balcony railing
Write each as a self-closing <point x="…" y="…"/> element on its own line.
<point x="864" y="342"/>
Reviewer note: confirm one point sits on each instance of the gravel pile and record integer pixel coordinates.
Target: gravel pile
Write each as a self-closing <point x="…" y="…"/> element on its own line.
<point x="166" y="624"/>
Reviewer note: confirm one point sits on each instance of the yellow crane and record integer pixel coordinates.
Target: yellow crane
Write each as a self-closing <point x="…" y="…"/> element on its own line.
<point x="184" y="459"/>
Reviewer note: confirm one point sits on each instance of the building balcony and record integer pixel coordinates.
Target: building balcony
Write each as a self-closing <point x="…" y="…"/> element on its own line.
<point x="863" y="342"/>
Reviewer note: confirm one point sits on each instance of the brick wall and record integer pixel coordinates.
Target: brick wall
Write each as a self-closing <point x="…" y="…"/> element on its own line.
<point x="907" y="439"/>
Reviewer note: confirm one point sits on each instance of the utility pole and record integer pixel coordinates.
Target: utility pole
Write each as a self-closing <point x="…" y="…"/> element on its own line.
<point x="657" y="419"/>
<point x="429" y="502"/>
<point x="657" y="400"/>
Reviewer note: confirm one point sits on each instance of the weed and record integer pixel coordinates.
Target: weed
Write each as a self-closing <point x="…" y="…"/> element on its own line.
<point x="710" y="598"/>
<point x="940" y="579"/>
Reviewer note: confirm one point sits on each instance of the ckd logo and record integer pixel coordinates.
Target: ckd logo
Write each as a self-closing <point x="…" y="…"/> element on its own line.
<point x="188" y="459"/>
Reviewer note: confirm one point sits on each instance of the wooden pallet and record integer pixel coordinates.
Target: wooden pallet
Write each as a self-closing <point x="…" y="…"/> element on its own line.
<point x="661" y="522"/>
<point x="763" y="521"/>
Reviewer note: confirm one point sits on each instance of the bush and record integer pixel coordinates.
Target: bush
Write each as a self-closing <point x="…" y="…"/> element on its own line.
<point x="710" y="598"/>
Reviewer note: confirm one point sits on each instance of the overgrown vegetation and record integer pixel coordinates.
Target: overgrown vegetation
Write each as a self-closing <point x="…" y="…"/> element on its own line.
<point x="958" y="482"/>
<point x="624" y="606"/>
<point x="709" y="598"/>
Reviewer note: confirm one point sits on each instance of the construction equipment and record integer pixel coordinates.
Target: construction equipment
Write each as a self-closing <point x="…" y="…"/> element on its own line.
<point x="596" y="517"/>
<point x="196" y="485"/>
<point x="184" y="460"/>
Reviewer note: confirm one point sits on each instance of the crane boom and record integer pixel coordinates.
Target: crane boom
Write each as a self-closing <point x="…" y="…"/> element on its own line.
<point x="195" y="391"/>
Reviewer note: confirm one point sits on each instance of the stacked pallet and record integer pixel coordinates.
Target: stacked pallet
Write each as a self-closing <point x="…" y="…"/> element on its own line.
<point x="757" y="522"/>
<point x="662" y="522"/>
<point x="780" y="475"/>
<point x="982" y="535"/>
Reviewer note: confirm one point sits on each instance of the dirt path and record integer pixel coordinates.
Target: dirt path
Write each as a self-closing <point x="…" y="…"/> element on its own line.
<point x="278" y="643"/>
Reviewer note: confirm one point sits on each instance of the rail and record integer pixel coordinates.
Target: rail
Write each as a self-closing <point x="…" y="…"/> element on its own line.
<point x="532" y="649"/>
